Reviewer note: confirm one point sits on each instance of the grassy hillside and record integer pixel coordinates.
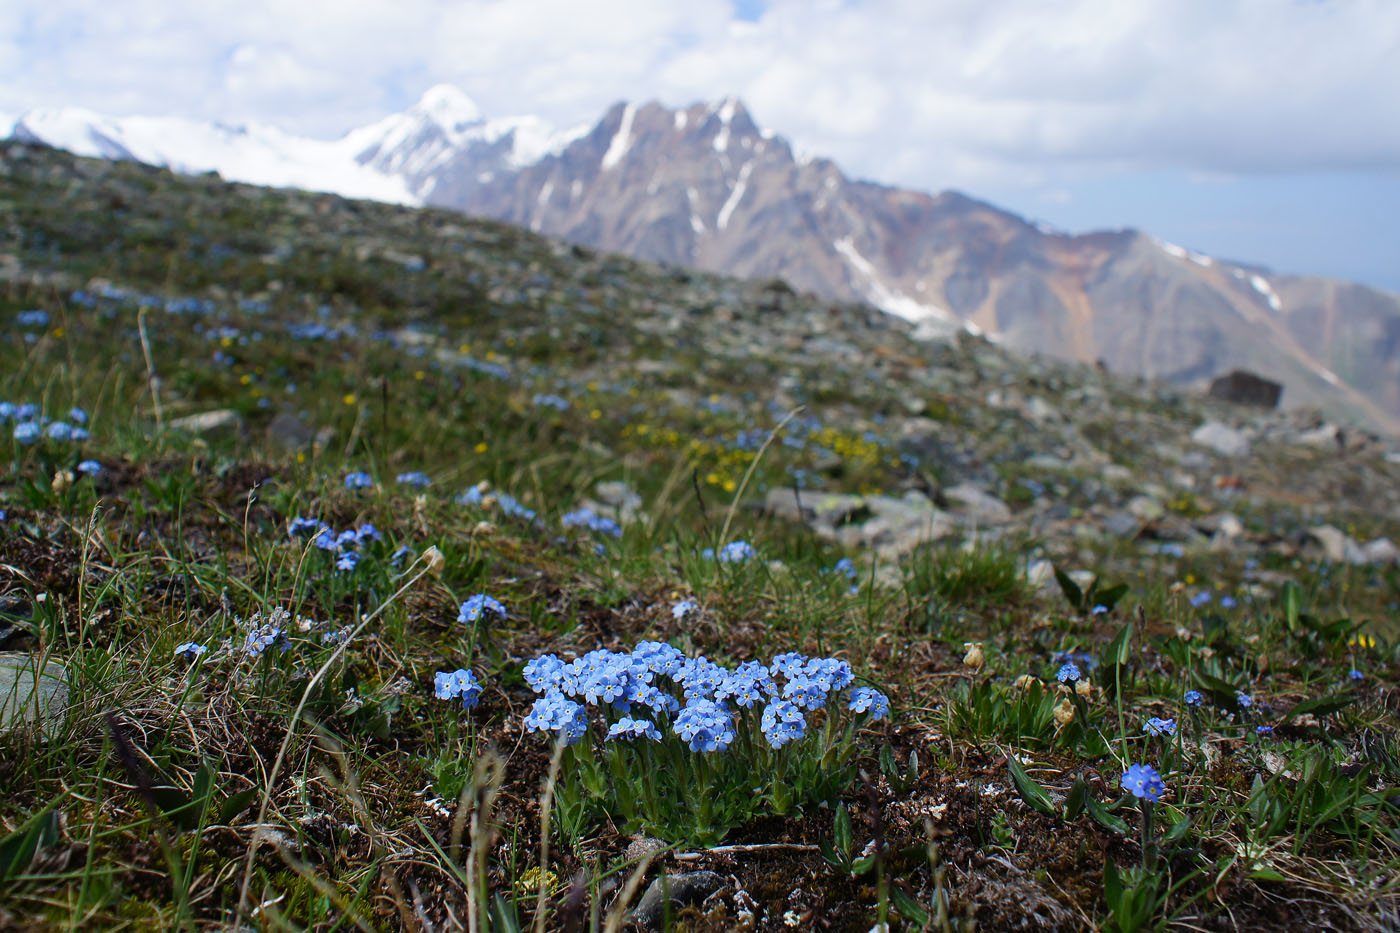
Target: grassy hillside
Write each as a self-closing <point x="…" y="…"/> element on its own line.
<point x="340" y="474"/>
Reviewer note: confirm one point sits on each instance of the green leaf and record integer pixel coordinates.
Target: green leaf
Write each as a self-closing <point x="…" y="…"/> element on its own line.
<point x="841" y="832"/>
<point x="236" y="805"/>
<point x="1074" y="803"/>
<point x="909" y="908"/>
<point x="1031" y="792"/>
<point x="1111" y="596"/>
<point x="1119" y="651"/>
<point x="1112" y="885"/>
<point x="1177" y="831"/>
<point x="1071" y="589"/>
<point x="1266" y="874"/>
<point x="18" y="848"/>
<point x="1104" y="817"/>
<point x="1319" y="706"/>
<point x="1291" y="601"/>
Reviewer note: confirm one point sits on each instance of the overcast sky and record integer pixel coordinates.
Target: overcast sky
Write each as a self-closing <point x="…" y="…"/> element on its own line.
<point x="1261" y="130"/>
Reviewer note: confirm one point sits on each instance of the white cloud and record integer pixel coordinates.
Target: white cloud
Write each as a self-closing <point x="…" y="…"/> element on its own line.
<point x="960" y="92"/>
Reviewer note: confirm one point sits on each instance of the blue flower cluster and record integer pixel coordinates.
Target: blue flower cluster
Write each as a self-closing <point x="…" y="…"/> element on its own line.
<point x="735" y="552"/>
<point x="1159" y="726"/>
<point x="475" y="606"/>
<point x="1144" y="783"/>
<point x="458" y="684"/>
<point x="587" y="518"/>
<point x="415" y="478"/>
<point x="32" y="318"/>
<point x="344" y="547"/>
<point x="358" y="480"/>
<point x="544" y="400"/>
<point x="509" y="505"/>
<point x="657" y="688"/>
<point x="30" y="424"/>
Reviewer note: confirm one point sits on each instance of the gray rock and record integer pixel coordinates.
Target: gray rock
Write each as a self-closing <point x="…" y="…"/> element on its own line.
<point x="1221" y="438"/>
<point x="673" y="892"/>
<point x="290" y="432"/>
<point x="977" y="504"/>
<point x="221" y="421"/>
<point x="1146" y="508"/>
<point x="1122" y="524"/>
<point x="1323" y="437"/>
<point x="1380" y="551"/>
<point x="1334" y="545"/>
<point x="22" y="700"/>
<point x="621" y="498"/>
<point x="1245" y="388"/>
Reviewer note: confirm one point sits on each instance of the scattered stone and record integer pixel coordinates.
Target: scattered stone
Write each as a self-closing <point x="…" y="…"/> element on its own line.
<point x="1221" y="438"/>
<point x="1146" y="508"/>
<point x="1334" y="545"/>
<point x="671" y="893"/>
<point x="1323" y="437"/>
<point x="1380" y="551"/>
<point x="289" y="432"/>
<point x="221" y="421"/>
<point x="620" y="498"/>
<point x="642" y="846"/>
<point x="977" y="504"/>
<point x="1244" y="388"/>
<point x="1122" y="524"/>
<point x="24" y="700"/>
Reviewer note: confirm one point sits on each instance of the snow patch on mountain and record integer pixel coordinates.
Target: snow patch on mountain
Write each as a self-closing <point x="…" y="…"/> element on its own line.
<point x="1262" y="286"/>
<point x="259" y="155"/>
<point x="621" y="139"/>
<point x="882" y="296"/>
<point x="735" y="197"/>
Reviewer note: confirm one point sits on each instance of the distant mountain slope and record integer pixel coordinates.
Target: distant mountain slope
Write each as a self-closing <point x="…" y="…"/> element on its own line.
<point x="706" y="186"/>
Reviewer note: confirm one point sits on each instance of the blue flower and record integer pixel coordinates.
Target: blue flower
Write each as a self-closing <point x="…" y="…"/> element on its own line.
<point x="396" y="559"/>
<point x="472" y="609"/>
<point x="1193" y="698"/>
<point x="1356" y="675"/>
<point x="1144" y="783"/>
<point x="416" y="478"/>
<point x="90" y="467"/>
<point x="1264" y="730"/>
<point x="1069" y="673"/>
<point x="587" y="518"/>
<point x="1244" y="699"/>
<point x="736" y="552"/>
<point x="1200" y="599"/>
<point x="347" y="561"/>
<point x="1099" y="610"/>
<point x="1158" y="726"/>
<point x="7" y="410"/>
<point x="628" y="728"/>
<point x="26" y="432"/>
<point x="1228" y="602"/>
<point x="367" y="532"/>
<point x="358" y="480"/>
<point x="190" y="650"/>
<point x="77" y="416"/>
<point x="705" y="726"/>
<point x="448" y="685"/>
<point x="32" y="318"/>
<point x="782" y="722"/>
<point x="683" y="608"/>
<point x="545" y="673"/>
<point x="550" y="401"/>
<point x="556" y="713"/>
<point x="846" y="566"/>
<point x="304" y="526"/>
<point x="869" y="700"/>
<point x="264" y="637"/>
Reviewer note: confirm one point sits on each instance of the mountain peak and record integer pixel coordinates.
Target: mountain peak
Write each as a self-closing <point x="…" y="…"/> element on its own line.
<point x="448" y="106"/>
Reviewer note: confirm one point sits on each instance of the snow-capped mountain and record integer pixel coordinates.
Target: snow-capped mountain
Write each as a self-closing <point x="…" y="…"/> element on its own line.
<point x="706" y="186"/>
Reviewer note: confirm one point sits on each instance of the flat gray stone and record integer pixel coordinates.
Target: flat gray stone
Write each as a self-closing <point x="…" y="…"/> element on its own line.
<point x="21" y="701"/>
<point x="1221" y="438"/>
<point x="207" y="423"/>
<point x="678" y="891"/>
<point x="977" y="504"/>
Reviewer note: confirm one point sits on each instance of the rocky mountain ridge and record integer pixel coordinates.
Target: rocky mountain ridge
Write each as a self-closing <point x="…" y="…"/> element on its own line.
<point x="706" y="186"/>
